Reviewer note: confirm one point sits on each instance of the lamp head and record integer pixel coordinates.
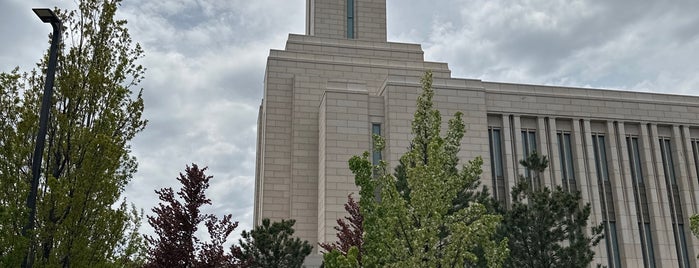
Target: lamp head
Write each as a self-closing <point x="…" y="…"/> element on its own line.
<point x="46" y="15"/>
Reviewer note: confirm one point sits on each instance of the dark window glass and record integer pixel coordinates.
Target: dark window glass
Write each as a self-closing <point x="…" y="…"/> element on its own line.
<point x="695" y="150"/>
<point x="350" y="19"/>
<point x="612" y="245"/>
<point x="683" y="244"/>
<point x="600" y="156"/>
<point x="528" y="145"/>
<point x="668" y="164"/>
<point x="647" y="245"/>
<point x="635" y="156"/>
<point x="566" y="153"/>
<point x="376" y="155"/>
<point x="497" y="163"/>
<point x="641" y="201"/>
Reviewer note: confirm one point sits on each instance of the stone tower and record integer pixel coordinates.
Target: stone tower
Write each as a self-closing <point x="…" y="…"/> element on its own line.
<point x="351" y="19"/>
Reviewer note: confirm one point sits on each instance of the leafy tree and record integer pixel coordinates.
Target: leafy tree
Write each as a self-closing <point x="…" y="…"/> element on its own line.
<point x="87" y="160"/>
<point x="547" y="228"/>
<point x="694" y="225"/>
<point x="337" y="259"/>
<point x="176" y="223"/>
<point x="272" y="245"/>
<point x="425" y="230"/>
<point x="349" y="232"/>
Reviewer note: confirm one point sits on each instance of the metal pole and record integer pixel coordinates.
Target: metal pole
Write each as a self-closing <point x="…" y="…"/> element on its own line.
<point x="28" y="229"/>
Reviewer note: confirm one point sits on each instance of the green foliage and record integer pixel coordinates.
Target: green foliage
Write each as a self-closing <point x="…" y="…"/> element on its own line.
<point x="87" y="161"/>
<point x="419" y="226"/>
<point x="336" y="259"/>
<point x="547" y="228"/>
<point x="694" y="225"/>
<point x="272" y="245"/>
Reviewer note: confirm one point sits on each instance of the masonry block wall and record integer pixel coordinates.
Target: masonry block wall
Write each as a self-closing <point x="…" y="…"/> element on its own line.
<point x="323" y="92"/>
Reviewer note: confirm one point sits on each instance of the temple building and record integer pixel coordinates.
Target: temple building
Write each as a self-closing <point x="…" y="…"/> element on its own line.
<point x="633" y="156"/>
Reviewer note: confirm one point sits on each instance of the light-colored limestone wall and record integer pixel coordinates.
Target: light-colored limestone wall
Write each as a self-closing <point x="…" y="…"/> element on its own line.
<point x="323" y="92"/>
<point x="451" y="96"/>
<point x="296" y="80"/>
<point x="371" y="20"/>
<point x="328" y="18"/>
<point x="346" y="134"/>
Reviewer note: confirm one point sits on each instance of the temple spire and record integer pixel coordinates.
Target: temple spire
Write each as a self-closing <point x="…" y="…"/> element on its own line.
<point x="347" y="19"/>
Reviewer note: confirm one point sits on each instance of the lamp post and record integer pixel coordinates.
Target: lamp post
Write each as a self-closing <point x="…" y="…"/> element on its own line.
<point x="47" y="16"/>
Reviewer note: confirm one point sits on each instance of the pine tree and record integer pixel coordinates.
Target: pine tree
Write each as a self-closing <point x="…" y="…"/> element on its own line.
<point x="425" y="230"/>
<point x="273" y="245"/>
<point x="87" y="162"/>
<point x="547" y="228"/>
<point x="176" y="224"/>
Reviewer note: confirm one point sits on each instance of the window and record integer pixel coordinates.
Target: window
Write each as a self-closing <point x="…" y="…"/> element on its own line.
<point x="495" y="138"/>
<point x="567" y="169"/>
<point x="675" y="204"/>
<point x="668" y="163"/>
<point x="695" y="151"/>
<point x="528" y="145"/>
<point x="612" y="244"/>
<point x="683" y="244"/>
<point x="606" y="198"/>
<point x="375" y="155"/>
<point x="639" y="191"/>
<point x="350" y="19"/>
<point x="600" y="151"/>
<point x="647" y="245"/>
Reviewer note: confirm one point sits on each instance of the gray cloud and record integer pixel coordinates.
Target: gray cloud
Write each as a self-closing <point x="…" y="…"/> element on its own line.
<point x="206" y="63"/>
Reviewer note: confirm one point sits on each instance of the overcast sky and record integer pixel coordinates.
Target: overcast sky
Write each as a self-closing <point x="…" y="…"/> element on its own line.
<point x="206" y="63"/>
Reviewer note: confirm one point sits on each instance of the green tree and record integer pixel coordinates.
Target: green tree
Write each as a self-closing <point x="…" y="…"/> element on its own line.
<point x="425" y="230"/>
<point x="547" y="228"/>
<point x="272" y="245"/>
<point x="339" y="259"/>
<point x="87" y="160"/>
<point x="694" y="225"/>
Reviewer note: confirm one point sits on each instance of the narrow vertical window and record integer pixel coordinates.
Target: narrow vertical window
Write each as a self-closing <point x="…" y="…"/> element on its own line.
<point x="668" y="163"/>
<point x="695" y="151"/>
<point x="499" y="190"/>
<point x="350" y="19"/>
<point x="528" y="145"/>
<point x="612" y="245"/>
<point x="639" y="191"/>
<point x="607" y="198"/>
<point x="683" y="244"/>
<point x="600" y="156"/>
<point x="675" y="204"/>
<point x="375" y="155"/>
<point x="567" y="169"/>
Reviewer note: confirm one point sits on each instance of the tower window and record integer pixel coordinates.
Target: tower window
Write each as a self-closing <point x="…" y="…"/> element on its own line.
<point x="350" y="19"/>
<point x="375" y="155"/>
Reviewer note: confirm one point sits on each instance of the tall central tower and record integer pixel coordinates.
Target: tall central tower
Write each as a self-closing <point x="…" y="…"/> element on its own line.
<point x="350" y="19"/>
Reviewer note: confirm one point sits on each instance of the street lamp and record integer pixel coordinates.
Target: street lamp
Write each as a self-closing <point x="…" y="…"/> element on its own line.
<point x="47" y="16"/>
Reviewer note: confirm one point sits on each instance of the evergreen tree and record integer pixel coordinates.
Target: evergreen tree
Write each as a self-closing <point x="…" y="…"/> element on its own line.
<point x="547" y="228"/>
<point x="425" y="229"/>
<point x="176" y="223"/>
<point x="272" y="245"/>
<point x="94" y="115"/>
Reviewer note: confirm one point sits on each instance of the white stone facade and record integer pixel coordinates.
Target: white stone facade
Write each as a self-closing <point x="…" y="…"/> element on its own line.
<point x="324" y="92"/>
